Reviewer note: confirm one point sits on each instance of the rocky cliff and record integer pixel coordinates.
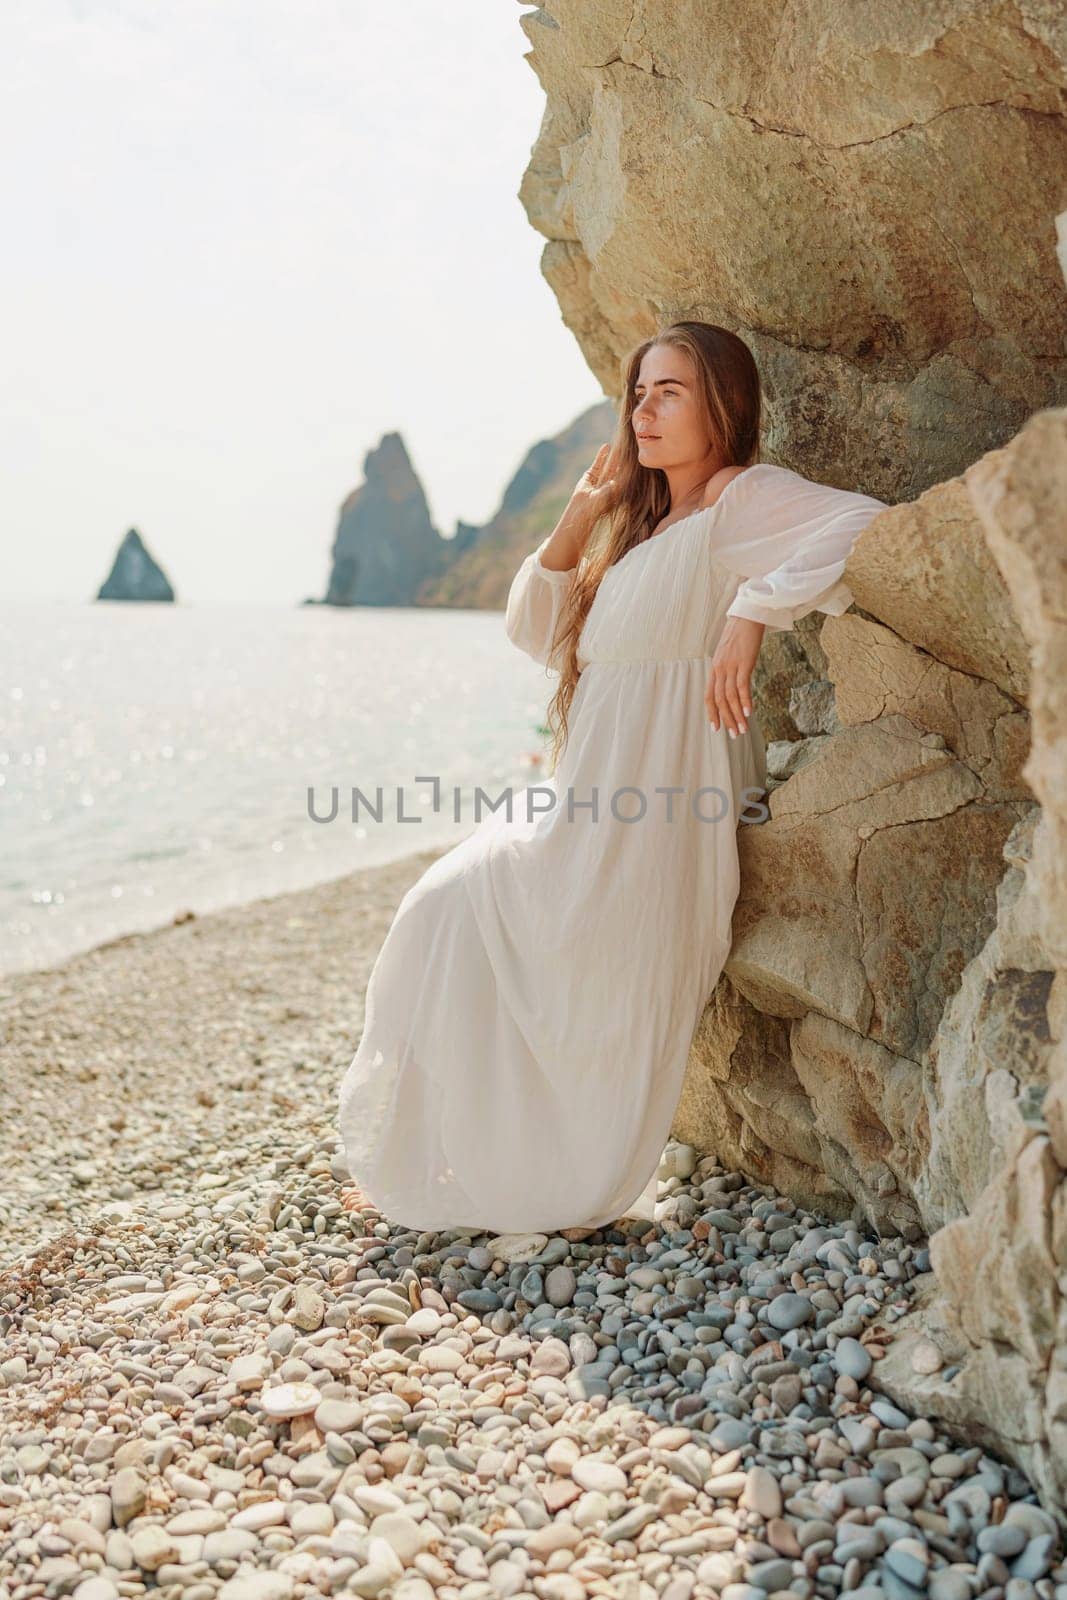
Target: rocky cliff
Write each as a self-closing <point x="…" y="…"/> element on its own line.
<point x="387" y="551"/>
<point x="866" y="196"/>
<point x="869" y="198"/>
<point x="134" y="574"/>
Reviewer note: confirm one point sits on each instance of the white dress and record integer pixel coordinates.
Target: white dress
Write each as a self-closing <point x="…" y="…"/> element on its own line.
<point x="530" y="1014"/>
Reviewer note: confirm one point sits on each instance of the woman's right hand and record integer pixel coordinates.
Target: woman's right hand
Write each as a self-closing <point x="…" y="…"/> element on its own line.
<point x="595" y="494"/>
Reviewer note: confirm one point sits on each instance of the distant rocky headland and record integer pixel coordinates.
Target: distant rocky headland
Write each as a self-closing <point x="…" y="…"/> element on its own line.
<point x="387" y="552"/>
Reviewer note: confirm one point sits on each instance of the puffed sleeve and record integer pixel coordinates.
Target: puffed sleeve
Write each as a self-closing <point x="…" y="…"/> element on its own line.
<point x="789" y="538"/>
<point x="535" y="602"/>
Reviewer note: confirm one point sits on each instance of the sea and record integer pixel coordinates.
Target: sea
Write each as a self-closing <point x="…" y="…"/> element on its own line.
<point x="157" y="759"/>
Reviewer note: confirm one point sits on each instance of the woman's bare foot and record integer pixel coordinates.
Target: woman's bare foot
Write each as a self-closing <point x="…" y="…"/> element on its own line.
<point x="353" y="1199"/>
<point x="630" y="1223"/>
<point x="576" y="1235"/>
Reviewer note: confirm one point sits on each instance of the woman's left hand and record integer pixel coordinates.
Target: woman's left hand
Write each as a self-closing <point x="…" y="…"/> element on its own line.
<point x="728" y="695"/>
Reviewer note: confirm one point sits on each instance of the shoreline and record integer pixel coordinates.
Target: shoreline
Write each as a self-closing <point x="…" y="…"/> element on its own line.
<point x="10" y="975"/>
<point x="134" y="1062"/>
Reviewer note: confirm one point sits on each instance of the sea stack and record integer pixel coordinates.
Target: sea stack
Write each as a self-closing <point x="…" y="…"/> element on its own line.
<point x="135" y="575"/>
<point x="386" y="544"/>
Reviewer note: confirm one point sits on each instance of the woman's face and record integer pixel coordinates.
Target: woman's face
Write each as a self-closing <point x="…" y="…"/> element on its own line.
<point x="666" y="425"/>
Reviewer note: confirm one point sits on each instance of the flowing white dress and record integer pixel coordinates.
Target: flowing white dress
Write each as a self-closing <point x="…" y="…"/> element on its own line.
<point x="530" y="1014"/>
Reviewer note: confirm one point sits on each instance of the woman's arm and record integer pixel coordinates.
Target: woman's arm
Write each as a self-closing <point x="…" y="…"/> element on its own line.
<point x="535" y="603"/>
<point x="543" y="582"/>
<point x="790" y="538"/>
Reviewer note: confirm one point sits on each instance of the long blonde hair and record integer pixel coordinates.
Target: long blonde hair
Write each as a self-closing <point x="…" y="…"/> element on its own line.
<point x="728" y="396"/>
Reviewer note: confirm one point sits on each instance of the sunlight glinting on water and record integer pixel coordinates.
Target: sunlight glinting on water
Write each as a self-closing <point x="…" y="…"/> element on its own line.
<point x="161" y="759"/>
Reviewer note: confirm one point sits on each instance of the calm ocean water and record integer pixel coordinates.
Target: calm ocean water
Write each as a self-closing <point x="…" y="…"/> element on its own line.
<point x="157" y="758"/>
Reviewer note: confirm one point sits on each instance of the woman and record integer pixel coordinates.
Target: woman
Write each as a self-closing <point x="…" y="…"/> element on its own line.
<point x="530" y="1014"/>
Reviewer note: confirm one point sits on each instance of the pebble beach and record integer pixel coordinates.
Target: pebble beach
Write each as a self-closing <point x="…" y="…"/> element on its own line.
<point x="224" y="1375"/>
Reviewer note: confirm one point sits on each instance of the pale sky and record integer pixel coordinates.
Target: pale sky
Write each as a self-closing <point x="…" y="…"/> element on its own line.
<point x="244" y="239"/>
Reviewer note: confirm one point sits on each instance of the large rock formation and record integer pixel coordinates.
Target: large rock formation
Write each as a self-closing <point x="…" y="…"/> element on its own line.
<point x="134" y="574"/>
<point x="385" y="544"/>
<point x="387" y="551"/>
<point x="866" y="194"/>
<point x="868" y="198"/>
<point x="884" y="1034"/>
